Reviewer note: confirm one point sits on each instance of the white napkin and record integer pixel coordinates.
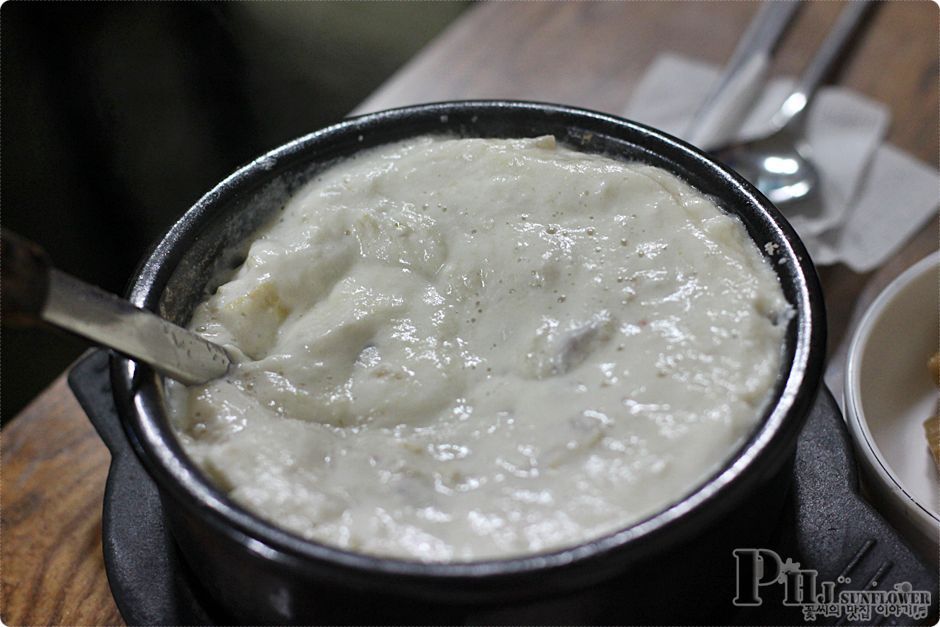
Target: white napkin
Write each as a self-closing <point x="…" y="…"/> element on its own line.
<point x="874" y="197"/>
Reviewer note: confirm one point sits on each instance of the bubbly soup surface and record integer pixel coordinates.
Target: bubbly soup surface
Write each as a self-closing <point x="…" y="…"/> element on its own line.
<point x="466" y="349"/>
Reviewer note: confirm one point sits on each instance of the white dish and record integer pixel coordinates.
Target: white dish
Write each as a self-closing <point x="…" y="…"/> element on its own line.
<point x="889" y="394"/>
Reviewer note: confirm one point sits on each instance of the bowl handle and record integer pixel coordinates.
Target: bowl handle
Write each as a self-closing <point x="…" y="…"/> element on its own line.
<point x="837" y="530"/>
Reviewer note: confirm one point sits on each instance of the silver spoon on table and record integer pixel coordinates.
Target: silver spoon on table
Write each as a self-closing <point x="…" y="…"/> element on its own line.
<point x="35" y="291"/>
<point x="780" y="164"/>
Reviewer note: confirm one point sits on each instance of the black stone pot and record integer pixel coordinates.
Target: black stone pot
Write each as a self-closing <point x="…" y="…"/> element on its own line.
<point x="260" y="573"/>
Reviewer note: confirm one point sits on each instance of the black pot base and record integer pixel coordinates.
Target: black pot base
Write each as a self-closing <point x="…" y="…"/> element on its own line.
<point x="825" y="525"/>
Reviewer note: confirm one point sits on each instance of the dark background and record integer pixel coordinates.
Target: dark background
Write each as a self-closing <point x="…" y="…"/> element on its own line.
<point x="116" y="117"/>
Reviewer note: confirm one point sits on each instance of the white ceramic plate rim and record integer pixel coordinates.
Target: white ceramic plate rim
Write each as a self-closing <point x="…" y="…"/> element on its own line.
<point x="858" y="426"/>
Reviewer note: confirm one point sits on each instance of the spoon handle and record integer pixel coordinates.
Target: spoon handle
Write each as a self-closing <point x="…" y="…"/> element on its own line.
<point x="742" y="79"/>
<point x="35" y="291"/>
<point x="794" y="107"/>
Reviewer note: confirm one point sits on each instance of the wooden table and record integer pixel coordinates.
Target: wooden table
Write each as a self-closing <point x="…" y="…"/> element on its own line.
<point x="585" y="54"/>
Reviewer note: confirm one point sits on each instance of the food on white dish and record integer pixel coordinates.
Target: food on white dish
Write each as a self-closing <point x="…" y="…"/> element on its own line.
<point x="463" y="349"/>
<point x="932" y="433"/>
<point x="888" y="394"/>
<point x="932" y="424"/>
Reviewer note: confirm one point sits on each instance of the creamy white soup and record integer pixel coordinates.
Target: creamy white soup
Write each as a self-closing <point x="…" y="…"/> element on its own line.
<point x="464" y="349"/>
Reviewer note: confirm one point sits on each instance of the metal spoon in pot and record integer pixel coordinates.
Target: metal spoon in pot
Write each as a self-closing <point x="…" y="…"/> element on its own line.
<point x="33" y="290"/>
<point x="780" y="164"/>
